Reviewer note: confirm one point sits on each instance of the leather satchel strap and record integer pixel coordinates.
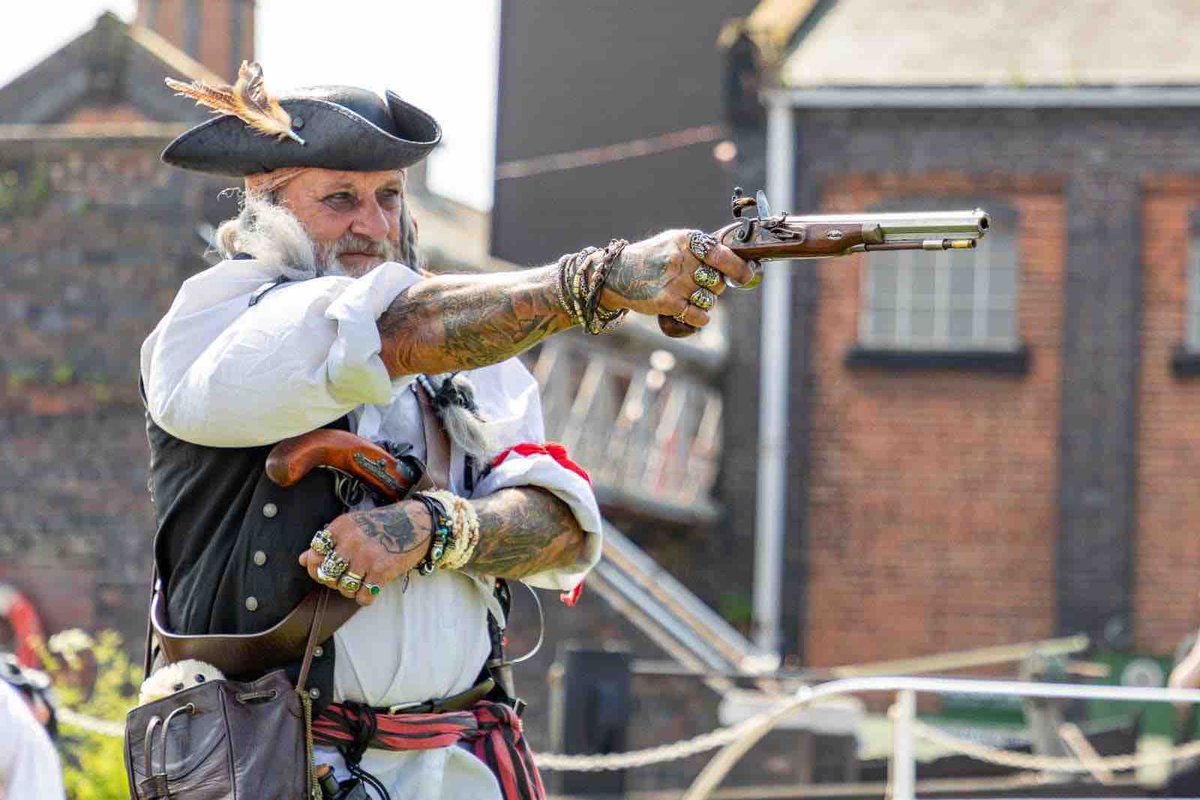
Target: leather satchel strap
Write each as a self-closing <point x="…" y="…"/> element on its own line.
<point x="314" y="633"/>
<point x="437" y="442"/>
<point x="247" y="653"/>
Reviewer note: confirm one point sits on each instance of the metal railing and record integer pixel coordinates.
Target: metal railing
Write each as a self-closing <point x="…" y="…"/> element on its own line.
<point x="736" y="740"/>
<point x="647" y="427"/>
<point x="902" y="772"/>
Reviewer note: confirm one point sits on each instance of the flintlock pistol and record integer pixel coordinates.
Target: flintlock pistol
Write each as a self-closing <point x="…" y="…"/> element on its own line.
<point x="764" y="236"/>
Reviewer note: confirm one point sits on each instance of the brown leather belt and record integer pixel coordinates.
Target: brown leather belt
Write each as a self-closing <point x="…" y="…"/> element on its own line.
<point x="455" y="702"/>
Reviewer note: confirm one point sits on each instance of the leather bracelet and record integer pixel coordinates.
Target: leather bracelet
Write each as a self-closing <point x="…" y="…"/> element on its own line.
<point x="439" y="533"/>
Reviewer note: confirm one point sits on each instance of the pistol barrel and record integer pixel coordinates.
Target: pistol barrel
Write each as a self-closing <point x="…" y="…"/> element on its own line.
<point x="916" y="226"/>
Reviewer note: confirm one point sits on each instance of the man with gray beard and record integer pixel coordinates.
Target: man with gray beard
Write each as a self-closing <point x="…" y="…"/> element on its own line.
<point x="317" y="318"/>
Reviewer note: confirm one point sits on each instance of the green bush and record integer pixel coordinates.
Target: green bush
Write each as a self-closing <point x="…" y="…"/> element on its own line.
<point x="93" y="763"/>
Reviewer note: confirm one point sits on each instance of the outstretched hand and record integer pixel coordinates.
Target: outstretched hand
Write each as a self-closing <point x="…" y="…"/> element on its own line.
<point x="659" y="276"/>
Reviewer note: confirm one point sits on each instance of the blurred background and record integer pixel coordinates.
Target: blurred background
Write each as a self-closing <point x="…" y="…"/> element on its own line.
<point x="988" y="462"/>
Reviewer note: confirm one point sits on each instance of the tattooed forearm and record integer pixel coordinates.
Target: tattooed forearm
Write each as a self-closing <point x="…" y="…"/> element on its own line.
<point x="461" y="322"/>
<point x="525" y="531"/>
<point x="392" y="527"/>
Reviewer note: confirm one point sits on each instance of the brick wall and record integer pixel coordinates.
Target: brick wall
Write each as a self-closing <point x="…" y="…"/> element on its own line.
<point x="932" y="515"/>
<point x="1167" y="585"/>
<point x="95" y="237"/>
<point x="1117" y="435"/>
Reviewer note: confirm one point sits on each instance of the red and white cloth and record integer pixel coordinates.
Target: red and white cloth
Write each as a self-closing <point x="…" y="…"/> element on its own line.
<point x="220" y="372"/>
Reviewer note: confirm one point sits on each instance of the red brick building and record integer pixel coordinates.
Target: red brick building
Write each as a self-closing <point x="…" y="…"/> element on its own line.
<point x="1000" y="446"/>
<point x="95" y="237"/>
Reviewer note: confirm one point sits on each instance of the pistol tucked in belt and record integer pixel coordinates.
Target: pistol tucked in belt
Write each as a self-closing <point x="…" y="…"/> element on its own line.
<point x="492" y="731"/>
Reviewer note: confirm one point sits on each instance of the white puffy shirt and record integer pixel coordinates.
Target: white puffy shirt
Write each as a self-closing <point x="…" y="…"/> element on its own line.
<point x="221" y="372"/>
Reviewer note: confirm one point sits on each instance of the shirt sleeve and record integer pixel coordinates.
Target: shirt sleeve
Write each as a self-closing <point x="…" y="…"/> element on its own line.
<point x="221" y="372"/>
<point x="29" y="764"/>
<point x="526" y="459"/>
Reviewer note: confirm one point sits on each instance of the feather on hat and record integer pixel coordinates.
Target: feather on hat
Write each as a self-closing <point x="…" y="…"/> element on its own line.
<point x="247" y="99"/>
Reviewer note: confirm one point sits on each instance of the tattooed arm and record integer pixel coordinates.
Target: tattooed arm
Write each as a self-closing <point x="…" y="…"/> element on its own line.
<point x="525" y="531"/>
<point x="522" y="531"/>
<point x="461" y="322"/>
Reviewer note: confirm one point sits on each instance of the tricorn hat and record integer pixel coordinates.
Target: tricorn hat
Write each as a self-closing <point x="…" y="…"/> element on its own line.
<point x="332" y="127"/>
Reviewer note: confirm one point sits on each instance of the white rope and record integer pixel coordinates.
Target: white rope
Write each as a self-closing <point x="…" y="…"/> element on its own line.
<point x="719" y="737"/>
<point x="562" y="762"/>
<point x="103" y="727"/>
<point x="1026" y="761"/>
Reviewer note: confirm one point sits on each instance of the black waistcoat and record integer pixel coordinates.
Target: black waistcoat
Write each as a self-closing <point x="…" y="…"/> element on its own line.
<point x="228" y="540"/>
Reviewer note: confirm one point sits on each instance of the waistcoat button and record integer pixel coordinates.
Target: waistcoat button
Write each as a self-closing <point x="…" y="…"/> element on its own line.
<point x="318" y="651"/>
<point x="314" y="693"/>
<point x="270" y="510"/>
<point x="252" y="604"/>
<point x="260" y="558"/>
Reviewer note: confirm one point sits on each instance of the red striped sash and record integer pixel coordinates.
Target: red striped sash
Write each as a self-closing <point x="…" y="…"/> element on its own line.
<point x="492" y="731"/>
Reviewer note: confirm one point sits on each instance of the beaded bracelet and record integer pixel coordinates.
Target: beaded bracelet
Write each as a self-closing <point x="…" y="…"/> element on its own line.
<point x="464" y="529"/>
<point x="580" y="285"/>
<point x="439" y="533"/>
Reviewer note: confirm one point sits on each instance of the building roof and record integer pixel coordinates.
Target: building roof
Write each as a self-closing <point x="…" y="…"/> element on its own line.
<point x="1005" y="43"/>
<point x="110" y="75"/>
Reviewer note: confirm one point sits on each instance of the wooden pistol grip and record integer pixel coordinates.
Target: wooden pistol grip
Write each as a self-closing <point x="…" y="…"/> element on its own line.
<point x="292" y="459"/>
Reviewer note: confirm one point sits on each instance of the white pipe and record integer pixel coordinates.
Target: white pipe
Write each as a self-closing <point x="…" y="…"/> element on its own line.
<point x="776" y="293"/>
<point x="903" y="766"/>
<point x="955" y="97"/>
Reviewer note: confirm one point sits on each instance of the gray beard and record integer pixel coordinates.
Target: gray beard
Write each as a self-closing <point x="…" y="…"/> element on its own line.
<point x="271" y="234"/>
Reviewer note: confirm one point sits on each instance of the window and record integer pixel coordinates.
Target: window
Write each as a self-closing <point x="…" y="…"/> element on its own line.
<point x="947" y="300"/>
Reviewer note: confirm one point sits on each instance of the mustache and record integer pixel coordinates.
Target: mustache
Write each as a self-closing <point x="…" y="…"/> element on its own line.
<point x="329" y="255"/>
<point x="353" y="243"/>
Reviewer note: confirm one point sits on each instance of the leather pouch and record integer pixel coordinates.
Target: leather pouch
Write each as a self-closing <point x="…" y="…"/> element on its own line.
<point x="218" y="741"/>
<point x="226" y="740"/>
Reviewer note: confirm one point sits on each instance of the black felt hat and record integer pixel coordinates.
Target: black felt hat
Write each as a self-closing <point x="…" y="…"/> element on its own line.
<point x="342" y="128"/>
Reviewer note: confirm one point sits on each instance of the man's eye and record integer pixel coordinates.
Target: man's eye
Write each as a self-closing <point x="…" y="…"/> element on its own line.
<point x="340" y="201"/>
<point x="389" y="198"/>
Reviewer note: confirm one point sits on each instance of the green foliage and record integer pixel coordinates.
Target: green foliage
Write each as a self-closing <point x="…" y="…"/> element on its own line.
<point x="23" y="194"/>
<point x="63" y="373"/>
<point x="94" y="764"/>
<point x="737" y="609"/>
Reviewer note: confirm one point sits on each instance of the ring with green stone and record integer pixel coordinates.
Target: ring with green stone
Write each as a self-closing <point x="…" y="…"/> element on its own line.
<point x="373" y="588"/>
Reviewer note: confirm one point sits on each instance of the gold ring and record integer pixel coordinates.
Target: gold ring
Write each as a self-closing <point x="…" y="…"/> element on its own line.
<point x="703" y="299"/>
<point x="678" y="315"/>
<point x="350" y="582"/>
<point x="322" y="542"/>
<point x="706" y="277"/>
<point x="332" y="568"/>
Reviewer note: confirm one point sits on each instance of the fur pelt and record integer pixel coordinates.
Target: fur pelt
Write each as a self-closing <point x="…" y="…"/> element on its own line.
<point x="176" y="677"/>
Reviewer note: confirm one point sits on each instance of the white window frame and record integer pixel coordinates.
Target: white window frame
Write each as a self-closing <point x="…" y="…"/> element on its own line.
<point x="902" y="337"/>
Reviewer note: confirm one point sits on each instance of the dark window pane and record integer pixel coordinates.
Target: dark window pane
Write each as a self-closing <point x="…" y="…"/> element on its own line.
<point x="883" y="280"/>
<point x="962" y="281"/>
<point x="961" y="324"/>
<point x="922" y="323"/>
<point x="922" y="278"/>
<point x="1001" y="282"/>
<point x="883" y="324"/>
<point x="1000" y="324"/>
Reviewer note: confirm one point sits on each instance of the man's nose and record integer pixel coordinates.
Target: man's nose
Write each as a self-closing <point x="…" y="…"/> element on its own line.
<point x="371" y="221"/>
